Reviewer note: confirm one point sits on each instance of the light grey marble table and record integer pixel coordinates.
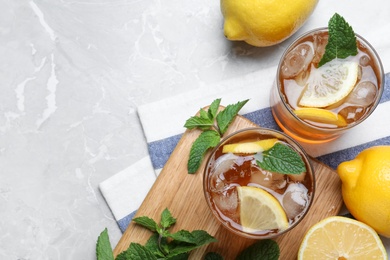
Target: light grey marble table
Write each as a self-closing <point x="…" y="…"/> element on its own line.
<point x="72" y="73"/>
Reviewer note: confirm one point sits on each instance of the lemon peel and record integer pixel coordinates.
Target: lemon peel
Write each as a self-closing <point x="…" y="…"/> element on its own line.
<point x="330" y="83"/>
<point x="259" y="210"/>
<point x="249" y="147"/>
<point x="341" y="238"/>
<point x="320" y="115"/>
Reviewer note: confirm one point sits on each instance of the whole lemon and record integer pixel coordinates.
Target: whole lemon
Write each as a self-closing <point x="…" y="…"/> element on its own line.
<point x="366" y="187"/>
<point x="264" y="22"/>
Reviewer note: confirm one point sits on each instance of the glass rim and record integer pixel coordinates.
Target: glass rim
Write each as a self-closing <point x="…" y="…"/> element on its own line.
<point x="381" y="82"/>
<point x="277" y="134"/>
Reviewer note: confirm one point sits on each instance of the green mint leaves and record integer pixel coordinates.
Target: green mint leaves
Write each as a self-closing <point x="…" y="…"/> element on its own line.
<point x="213" y="124"/>
<point x="282" y="159"/>
<point x="103" y="247"/>
<point x="264" y="249"/>
<point x="166" y="245"/>
<point x="161" y="245"/>
<point x="205" y="141"/>
<point x="177" y="246"/>
<point x="342" y="40"/>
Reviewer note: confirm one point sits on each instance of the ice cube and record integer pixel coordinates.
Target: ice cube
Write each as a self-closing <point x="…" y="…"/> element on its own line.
<point x="266" y="179"/>
<point x="295" y="200"/>
<point x="227" y="202"/>
<point x="218" y="181"/>
<point x="297" y="177"/>
<point x="352" y="113"/>
<point x="302" y="78"/>
<point x="297" y="60"/>
<point x="364" y="60"/>
<point x="319" y="44"/>
<point x="363" y="94"/>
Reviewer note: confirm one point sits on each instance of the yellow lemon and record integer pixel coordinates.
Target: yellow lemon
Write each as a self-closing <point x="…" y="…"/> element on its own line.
<point x="366" y="187"/>
<point x="341" y="238"/>
<point x="249" y="147"/>
<point x="259" y="210"/>
<point x="264" y="22"/>
<point x="320" y="116"/>
<point x="329" y="83"/>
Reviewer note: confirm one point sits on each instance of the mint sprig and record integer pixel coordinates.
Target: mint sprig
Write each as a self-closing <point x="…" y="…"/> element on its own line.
<point x="341" y="41"/>
<point x="103" y="247"/>
<point x="214" y="125"/>
<point x="264" y="249"/>
<point x="161" y="245"/>
<point x="177" y="246"/>
<point x="282" y="159"/>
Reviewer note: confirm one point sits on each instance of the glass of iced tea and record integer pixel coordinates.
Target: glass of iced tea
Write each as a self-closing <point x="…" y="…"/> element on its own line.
<point x="258" y="183"/>
<point x="317" y="104"/>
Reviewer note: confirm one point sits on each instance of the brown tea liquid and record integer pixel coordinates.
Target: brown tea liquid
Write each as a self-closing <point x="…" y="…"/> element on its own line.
<point x="231" y="170"/>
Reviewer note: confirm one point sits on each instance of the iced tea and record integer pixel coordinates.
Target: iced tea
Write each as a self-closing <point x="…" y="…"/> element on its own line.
<point x="228" y="171"/>
<point x="301" y="99"/>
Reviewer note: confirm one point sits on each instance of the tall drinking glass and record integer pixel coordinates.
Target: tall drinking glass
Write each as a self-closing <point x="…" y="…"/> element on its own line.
<point x="303" y="96"/>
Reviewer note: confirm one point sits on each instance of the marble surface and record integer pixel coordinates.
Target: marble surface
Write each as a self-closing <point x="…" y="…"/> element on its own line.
<point x="72" y="74"/>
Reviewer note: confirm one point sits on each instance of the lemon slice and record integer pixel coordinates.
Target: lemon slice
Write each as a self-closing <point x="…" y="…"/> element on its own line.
<point x="320" y="116"/>
<point x="259" y="210"/>
<point x="341" y="238"/>
<point x="329" y="83"/>
<point x="249" y="147"/>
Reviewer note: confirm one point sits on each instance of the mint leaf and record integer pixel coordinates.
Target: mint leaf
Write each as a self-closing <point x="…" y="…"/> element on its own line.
<point x="206" y="140"/>
<point x="213" y="108"/>
<point x="204" y="115"/>
<point x="197" y="238"/>
<point x="202" y="237"/>
<point x="146" y="222"/>
<point x="103" y="247"/>
<point x="264" y="249"/>
<point x="226" y="116"/>
<point x="166" y="219"/>
<point x="178" y="257"/>
<point x="136" y="252"/>
<point x="282" y="159"/>
<point x="183" y="236"/>
<point x="342" y="40"/>
<point x="213" y="256"/>
<point x="199" y="122"/>
<point x="153" y="244"/>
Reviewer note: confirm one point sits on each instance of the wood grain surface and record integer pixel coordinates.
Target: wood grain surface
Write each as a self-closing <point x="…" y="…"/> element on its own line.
<point x="182" y="194"/>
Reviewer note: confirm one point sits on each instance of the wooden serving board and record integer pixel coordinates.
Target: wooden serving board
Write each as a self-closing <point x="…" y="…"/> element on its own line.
<point x="182" y="194"/>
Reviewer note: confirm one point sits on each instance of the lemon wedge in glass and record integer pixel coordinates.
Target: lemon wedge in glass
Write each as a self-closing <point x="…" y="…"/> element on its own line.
<point x="249" y="147"/>
<point x="341" y="238"/>
<point x="259" y="210"/>
<point x="329" y="83"/>
<point x="320" y="116"/>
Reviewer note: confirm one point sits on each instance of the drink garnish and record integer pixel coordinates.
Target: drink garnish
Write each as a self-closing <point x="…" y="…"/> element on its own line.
<point x="165" y="245"/>
<point x="214" y="124"/>
<point x="329" y="84"/>
<point x="249" y="147"/>
<point x="281" y="159"/>
<point x="161" y="245"/>
<point x="321" y="116"/>
<point x="342" y="40"/>
<point x="259" y="210"/>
